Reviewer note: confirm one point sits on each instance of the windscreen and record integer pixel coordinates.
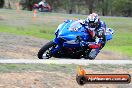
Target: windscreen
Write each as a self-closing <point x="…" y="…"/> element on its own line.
<point x="75" y="26"/>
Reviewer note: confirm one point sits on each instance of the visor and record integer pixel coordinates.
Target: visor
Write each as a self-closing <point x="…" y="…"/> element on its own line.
<point x="92" y="25"/>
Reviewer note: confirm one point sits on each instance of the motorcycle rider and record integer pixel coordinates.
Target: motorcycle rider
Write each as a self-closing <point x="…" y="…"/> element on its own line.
<point x="42" y="4"/>
<point x="96" y="29"/>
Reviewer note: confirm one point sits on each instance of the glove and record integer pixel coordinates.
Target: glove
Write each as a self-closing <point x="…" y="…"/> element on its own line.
<point x="100" y="32"/>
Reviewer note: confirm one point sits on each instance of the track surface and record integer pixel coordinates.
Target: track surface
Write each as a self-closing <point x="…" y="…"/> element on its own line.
<point x="65" y="61"/>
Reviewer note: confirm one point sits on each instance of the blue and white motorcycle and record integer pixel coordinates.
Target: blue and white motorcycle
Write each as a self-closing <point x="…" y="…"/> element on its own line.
<point x="68" y="42"/>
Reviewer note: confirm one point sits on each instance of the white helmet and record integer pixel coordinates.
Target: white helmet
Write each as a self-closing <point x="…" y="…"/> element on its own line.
<point x="92" y="20"/>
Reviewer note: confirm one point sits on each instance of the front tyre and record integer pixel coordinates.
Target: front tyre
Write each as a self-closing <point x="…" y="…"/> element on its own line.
<point x="44" y="52"/>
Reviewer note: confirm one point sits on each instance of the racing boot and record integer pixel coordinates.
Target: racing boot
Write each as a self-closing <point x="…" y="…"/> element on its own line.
<point x="93" y="53"/>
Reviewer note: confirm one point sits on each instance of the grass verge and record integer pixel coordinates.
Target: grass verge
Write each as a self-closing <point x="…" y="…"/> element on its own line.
<point x="69" y="69"/>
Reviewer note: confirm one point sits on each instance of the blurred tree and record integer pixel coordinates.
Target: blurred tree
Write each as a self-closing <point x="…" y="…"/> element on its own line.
<point x="55" y="4"/>
<point x="68" y="6"/>
<point x="28" y="4"/>
<point x="1" y="3"/>
<point x="91" y="4"/>
<point x="103" y="7"/>
<point x="122" y="7"/>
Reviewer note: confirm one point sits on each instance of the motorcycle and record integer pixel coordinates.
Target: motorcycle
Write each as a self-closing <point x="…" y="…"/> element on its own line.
<point x="46" y="8"/>
<point x="71" y="41"/>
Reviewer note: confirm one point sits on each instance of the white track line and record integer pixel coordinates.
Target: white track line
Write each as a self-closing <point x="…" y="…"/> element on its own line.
<point x="64" y="61"/>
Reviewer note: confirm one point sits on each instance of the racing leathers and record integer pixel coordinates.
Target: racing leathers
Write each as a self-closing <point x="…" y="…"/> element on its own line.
<point x="97" y="38"/>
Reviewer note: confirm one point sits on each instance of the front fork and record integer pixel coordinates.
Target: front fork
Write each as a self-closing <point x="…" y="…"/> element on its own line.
<point x="57" y="47"/>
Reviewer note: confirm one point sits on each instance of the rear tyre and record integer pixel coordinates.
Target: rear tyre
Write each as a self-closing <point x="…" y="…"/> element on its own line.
<point x="44" y="52"/>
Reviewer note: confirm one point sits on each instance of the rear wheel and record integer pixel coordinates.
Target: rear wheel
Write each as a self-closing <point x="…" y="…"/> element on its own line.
<point x="44" y="52"/>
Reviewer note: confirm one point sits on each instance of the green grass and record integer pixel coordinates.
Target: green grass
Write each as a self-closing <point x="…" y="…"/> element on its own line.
<point x="125" y="50"/>
<point x="122" y="39"/>
<point x="68" y="69"/>
<point x="37" y="67"/>
<point x="30" y="31"/>
<point x="46" y="23"/>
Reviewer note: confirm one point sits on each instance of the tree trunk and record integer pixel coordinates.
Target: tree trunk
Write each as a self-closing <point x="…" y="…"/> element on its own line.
<point x="90" y="10"/>
<point x="2" y="3"/>
<point x="90" y="5"/>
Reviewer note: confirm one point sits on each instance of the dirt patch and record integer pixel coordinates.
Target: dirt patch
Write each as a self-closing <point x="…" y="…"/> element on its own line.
<point x="1" y="18"/>
<point x="14" y="46"/>
<point x="36" y="80"/>
<point x="47" y="80"/>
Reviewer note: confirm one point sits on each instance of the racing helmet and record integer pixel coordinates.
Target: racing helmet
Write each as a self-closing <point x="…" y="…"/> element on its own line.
<point x="92" y="20"/>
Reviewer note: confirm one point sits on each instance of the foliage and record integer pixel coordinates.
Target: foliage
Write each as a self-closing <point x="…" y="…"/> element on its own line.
<point x="123" y="7"/>
<point x="1" y="3"/>
<point x="103" y="7"/>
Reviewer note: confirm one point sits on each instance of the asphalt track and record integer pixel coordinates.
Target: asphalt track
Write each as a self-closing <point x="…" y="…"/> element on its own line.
<point x="64" y="61"/>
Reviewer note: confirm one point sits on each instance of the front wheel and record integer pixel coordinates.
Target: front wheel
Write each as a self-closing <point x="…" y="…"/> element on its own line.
<point x="44" y="52"/>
